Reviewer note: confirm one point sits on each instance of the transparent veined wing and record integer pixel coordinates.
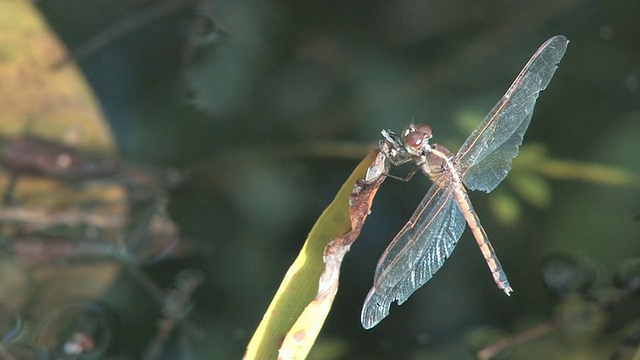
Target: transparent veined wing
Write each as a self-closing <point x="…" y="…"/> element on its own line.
<point x="416" y="253"/>
<point x="484" y="160"/>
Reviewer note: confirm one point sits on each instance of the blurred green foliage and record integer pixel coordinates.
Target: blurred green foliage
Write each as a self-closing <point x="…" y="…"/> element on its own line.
<point x="290" y="76"/>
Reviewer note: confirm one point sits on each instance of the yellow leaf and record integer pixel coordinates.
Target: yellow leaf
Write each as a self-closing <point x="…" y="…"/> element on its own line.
<point x="40" y="100"/>
<point x="299" y="288"/>
<point x="34" y="95"/>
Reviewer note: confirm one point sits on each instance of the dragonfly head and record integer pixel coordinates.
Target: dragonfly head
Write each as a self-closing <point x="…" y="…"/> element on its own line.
<point x="416" y="139"/>
<point x="392" y="146"/>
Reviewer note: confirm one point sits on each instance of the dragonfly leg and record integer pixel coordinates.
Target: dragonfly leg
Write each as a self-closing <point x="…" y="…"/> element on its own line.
<point x="407" y="178"/>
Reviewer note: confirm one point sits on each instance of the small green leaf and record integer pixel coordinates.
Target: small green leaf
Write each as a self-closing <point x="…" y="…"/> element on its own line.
<point x="532" y="188"/>
<point x="467" y="120"/>
<point x="530" y="153"/>
<point x="505" y="207"/>
<point x="584" y="322"/>
<point x="482" y="338"/>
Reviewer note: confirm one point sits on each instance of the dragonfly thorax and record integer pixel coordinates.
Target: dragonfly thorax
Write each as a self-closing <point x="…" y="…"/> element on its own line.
<point x="436" y="162"/>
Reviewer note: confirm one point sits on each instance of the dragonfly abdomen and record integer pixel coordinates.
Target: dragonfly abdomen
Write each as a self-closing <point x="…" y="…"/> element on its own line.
<point x="489" y="254"/>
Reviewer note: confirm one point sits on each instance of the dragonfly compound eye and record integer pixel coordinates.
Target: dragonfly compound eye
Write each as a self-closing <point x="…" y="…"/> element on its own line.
<point x="415" y="142"/>
<point x="425" y="129"/>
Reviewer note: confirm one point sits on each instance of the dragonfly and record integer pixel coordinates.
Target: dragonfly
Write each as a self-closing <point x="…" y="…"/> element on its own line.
<point x="484" y="160"/>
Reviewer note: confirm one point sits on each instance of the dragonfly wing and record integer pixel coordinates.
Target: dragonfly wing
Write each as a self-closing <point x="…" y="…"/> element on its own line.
<point x="415" y="254"/>
<point x="484" y="160"/>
